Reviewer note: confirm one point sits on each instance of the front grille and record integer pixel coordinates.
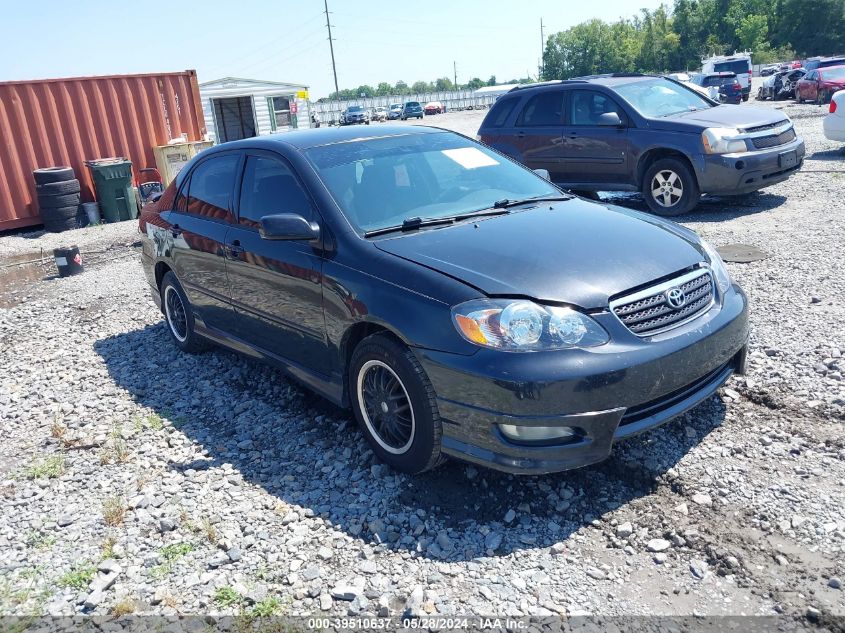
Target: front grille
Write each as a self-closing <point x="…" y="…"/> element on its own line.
<point x="650" y="312"/>
<point x="760" y="128"/>
<point x="764" y="142"/>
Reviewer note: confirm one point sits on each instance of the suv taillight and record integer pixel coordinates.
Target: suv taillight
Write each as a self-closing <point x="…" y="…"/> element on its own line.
<point x="832" y="106"/>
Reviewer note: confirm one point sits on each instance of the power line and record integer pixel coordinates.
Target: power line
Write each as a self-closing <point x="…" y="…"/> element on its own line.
<point x="331" y="45"/>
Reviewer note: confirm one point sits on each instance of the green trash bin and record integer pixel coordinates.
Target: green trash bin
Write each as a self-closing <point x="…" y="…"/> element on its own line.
<point x="113" y="182"/>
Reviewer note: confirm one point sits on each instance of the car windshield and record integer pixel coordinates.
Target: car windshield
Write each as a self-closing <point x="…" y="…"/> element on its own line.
<point x="355" y="109"/>
<point x="382" y="182"/>
<point x="412" y="104"/>
<point x="833" y="74"/>
<point x="661" y="97"/>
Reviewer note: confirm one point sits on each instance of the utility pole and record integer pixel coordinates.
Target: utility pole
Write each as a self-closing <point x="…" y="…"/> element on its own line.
<point x="455" y="70"/>
<point x="331" y="47"/>
<point x="542" y="49"/>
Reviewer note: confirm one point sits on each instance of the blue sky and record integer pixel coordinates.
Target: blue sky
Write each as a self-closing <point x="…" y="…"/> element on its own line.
<point x="282" y="40"/>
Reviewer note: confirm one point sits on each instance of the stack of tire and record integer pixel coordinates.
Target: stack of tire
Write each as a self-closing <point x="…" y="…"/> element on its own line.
<point x="58" y="197"/>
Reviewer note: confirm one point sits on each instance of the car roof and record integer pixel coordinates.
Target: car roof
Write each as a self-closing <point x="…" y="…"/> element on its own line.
<point x="826" y="68"/>
<point x="304" y="139"/>
<point x="609" y="80"/>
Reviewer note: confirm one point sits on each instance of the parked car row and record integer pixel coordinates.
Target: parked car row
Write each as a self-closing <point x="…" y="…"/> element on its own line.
<point x="356" y="114"/>
<point x="817" y="84"/>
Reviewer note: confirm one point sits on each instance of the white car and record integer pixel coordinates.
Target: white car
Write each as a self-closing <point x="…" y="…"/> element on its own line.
<point x="834" y="122"/>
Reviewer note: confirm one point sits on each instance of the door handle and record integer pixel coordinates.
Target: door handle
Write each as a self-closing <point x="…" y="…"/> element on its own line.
<point x="235" y="250"/>
<point x="520" y="134"/>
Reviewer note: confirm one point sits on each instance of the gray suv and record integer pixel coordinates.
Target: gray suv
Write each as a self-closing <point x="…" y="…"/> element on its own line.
<point x="643" y="133"/>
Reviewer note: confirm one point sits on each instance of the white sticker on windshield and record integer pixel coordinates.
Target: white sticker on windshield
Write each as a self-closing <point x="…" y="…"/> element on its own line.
<point x="400" y="175"/>
<point x="470" y="157"/>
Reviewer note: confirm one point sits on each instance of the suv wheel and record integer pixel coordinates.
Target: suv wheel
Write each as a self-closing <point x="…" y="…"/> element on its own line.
<point x="180" y="316"/>
<point x="669" y="187"/>
<point x="394" y="404"/>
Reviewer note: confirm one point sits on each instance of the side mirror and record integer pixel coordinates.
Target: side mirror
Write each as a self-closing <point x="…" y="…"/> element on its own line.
<point x="543" y="173"/>
<point x="288" y="226"/>
<point x="610" y="119"/>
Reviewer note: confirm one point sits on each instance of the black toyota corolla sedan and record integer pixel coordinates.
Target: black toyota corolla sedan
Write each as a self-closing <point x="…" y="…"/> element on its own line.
<point x="458" y="302"/>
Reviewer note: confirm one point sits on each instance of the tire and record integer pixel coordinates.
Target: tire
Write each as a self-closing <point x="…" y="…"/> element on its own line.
<point x="53" y="202"/>
<point x="668" y="175"/>
<point x="59" y="219"/>
<point x="745" y="96"/>
<point x="822" y="97"/>
<point x="46" y="175"/>
<point x="179" y="316"/>
<point x="409" y="441"/>
<point x="58" y="188"/>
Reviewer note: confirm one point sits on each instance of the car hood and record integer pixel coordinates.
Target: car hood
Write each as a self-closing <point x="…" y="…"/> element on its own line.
<point x="733" y="116"/>
<point x="574" y="252"/>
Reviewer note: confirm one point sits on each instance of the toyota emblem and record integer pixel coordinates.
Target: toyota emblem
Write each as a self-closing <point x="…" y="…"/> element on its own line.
<point x="676" y="298"/>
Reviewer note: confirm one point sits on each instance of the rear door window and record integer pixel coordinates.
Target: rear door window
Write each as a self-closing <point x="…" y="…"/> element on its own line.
<point x="545" y="108"/>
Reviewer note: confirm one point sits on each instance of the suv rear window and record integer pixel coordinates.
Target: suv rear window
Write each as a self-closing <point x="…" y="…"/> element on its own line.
<point x="545" y="108"/>
<point x="735" y="66"/>
<point x="500" y="112"/>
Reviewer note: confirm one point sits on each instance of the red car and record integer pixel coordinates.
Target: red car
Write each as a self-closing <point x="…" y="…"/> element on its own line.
<point x="818" y="85"/>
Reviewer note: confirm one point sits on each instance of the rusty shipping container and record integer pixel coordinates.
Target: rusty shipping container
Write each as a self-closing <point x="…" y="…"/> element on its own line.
<point x="51" y="122"/>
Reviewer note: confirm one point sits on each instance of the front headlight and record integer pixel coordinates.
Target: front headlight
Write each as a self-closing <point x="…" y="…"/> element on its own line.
<point x="720" y="271"/>
<point x="524" y="326"/>
<point x="720" y="140"/>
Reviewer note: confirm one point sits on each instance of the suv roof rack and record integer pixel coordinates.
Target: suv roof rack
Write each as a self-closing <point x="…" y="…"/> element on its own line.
<point x="552" y="82"/>
<point x="611" y="76"/>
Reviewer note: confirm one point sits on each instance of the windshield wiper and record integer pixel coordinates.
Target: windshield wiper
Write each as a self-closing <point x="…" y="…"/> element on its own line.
<point x="506" y="203"/>
<point x="411" y="224"/>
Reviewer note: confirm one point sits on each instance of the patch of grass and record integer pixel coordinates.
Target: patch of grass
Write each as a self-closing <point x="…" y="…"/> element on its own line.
<point x="124" y="607"/>
<point x="209" y="530"/>
<point x="264" y="609"/>
<point x="108" y="547"/>
<point x="114" y="509"/>
<point x="117" y="452"/>
<point x="172" y="553"/>
<point x="227" y="597"/>
<point x="57" y="429"/>
<point x="79" y="577"/>
<point x="39" y="540"/>
<point x="50" y="468"/>
<point x="152" y="421"/>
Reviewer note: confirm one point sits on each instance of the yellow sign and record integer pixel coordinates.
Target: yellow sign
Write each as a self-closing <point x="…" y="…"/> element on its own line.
<point x="302" y="94"/>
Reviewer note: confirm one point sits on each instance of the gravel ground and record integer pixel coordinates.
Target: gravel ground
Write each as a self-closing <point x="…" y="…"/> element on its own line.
<point x="136" y="478"/>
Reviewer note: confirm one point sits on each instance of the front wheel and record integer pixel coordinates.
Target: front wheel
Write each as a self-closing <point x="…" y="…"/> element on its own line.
<point x="180" y="316"/>
<point x="394" y="404"/>
<point x="669" y="187"/>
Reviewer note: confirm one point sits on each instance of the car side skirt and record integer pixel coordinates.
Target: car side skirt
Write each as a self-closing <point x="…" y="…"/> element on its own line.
<point x="330" y="387"/>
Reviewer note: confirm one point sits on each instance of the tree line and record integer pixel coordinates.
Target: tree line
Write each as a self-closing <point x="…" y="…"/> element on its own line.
<point x="442" y="84"/>
<point x="678" y="37"/>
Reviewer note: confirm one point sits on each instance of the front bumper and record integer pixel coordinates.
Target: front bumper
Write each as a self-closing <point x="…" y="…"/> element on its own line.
<point x="733" y="174"/>
<point x="606" y="393"/>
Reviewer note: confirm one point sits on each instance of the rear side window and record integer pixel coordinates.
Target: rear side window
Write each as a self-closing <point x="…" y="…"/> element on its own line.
<point x="501" y="111"/>
<point x="210" y="187"/>
<point x="545" y="108"/>
<point x="269" y="187"/>
<point x="735" y="66"/>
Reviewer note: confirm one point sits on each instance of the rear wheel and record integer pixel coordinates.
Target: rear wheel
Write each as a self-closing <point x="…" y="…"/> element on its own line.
<point x="180" y="316"/>
<point x="669" y="187"/>
<point x="394" y="404"/>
